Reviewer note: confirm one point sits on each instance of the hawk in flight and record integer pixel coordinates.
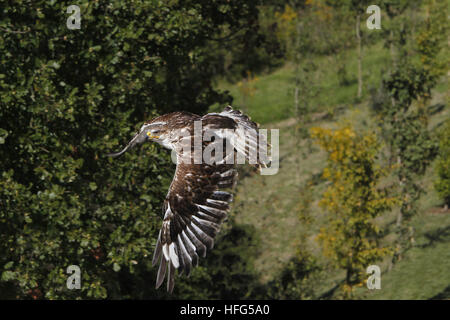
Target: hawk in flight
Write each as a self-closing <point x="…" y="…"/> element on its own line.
<point x="195" y="205"/>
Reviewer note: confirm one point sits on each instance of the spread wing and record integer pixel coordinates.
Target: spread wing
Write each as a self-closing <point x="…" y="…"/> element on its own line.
<point x="195" y="206"/>
<point x="246" y="139"/>
<point x="194" y="210"/>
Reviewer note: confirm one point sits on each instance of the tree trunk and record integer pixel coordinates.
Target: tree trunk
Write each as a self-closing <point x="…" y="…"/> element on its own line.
<point x="297" y="115"/>
<point x="348" y="281"/>
<point x="402" y="192"/>
<point x="358" y="38"/>
<point x="399" y="219"/>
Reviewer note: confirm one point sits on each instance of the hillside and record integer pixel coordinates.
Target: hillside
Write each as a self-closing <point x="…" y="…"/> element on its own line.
<point x="283" y="208"/>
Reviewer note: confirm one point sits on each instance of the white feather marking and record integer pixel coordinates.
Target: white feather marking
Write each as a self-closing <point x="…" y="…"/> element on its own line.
<point x="191" y="234"/>
<point x="228" y="173"/>
<point x="151" y="124"/>
<point x="202" y="215"/>
<point x="225" y="159"/>
<point x="188" y="241"/>
<point x="199" y="231"/>
<point x="168" y="212"/>
<point x="216" y="202"/>
<point x="186" y="254"/>
<point x="165" y="143"/>
<point x="213" y="210"/>
<point x="198" y="219"/>
<point x="252" y="142"/>
<point x="173" y="255"/>
<point x="206" y="222"/>
<point x="166" y="252"/>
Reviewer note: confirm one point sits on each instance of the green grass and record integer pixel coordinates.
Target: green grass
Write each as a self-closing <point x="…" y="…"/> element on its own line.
<point x="274" y="204"/>
<point x="272" y="98"/>
<point x="424" y="271"/>
<point x="270" y="203"/>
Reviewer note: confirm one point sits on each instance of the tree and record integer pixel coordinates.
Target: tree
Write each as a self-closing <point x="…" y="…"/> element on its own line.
<point x="359" y="8"/>
<point x="412" y="143"/>
<point x="408" y="87"/>
<point x="67" y="97"/>
<point x="442" y="184"/>
<point x="295" y="23"/>
<point x="352" y="201"/>
<point x="394" y="29"/>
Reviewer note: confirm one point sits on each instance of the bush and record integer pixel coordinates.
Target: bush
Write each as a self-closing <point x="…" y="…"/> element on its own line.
<point x="297" y="281"/>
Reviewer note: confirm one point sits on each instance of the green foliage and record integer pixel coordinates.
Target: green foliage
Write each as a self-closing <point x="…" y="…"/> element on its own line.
<point x="353" y="201"/>
<point x="410" y="138"/>
<point x="254" y="49"/>
<point x="313" y="26"/>
<point x="442" y="184"/>
<point x="67" y="97"/>
<point x="272" y="101"/>
<point x="297" y="281"/>
<point x="407" y="90"/>
<point x="432" y="38"/>
<point x="228" y="271"/>
<point x="406" y="84"/>
<point x="397" y="36"/>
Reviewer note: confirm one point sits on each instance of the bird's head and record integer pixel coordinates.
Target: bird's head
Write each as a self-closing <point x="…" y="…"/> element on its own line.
<point x="153" y="130"/>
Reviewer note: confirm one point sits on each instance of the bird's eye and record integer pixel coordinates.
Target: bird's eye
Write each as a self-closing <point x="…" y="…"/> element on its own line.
<point x="155" y="131"/>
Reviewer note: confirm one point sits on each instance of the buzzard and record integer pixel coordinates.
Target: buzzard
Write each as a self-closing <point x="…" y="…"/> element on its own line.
<point x="196" y="205"/>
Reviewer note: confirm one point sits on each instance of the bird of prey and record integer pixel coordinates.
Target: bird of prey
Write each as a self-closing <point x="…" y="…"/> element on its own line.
<point x="196" y="205"/>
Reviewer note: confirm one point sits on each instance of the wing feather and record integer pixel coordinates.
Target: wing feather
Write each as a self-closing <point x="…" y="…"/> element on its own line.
<point x="195" y="207"/>
<point x="158" y="250"/>
<point x="161" y="272"/>
<point x="194" y="211"/>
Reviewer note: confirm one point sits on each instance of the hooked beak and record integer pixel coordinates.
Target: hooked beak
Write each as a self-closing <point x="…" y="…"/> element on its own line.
<point x="138" y="138"/>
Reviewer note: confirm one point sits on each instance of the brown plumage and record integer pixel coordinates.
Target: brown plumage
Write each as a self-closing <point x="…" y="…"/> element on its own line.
<point x="195" y="205"/>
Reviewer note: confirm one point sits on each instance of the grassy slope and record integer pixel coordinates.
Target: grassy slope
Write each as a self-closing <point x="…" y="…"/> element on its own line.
<point x="275" y="204"/>
<point x="273" y="94"/>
